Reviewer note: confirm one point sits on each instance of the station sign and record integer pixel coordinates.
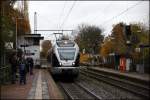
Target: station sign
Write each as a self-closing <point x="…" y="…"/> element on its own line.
<point x="9" y="45"/>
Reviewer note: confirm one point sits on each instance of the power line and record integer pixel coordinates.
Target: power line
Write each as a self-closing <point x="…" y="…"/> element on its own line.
<point x="121" y="13"/>
<point x="68" y="13"/>
<point x="61" y="14"/>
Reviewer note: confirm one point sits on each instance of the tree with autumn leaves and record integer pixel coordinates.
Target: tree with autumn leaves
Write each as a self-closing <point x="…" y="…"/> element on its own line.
<point x="8" y="20"/>
<point x="116" y="41"/>
<point x="45" y="45"/>
<point x="9" y="14"/>
<point x="89" y="38"/>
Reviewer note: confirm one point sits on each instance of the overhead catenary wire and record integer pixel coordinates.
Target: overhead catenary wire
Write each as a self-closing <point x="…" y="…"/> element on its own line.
<point x="65" y="20"/>
<point x="61" y="14"/>
<point x="121" y="12"/>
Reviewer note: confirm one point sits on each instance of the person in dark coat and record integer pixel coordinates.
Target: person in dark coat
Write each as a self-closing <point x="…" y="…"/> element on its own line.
<point x="22" y="70"/>
<point x="31" y="64"/>
<point x="13" y="62"/>
<point x="27" y="64"/>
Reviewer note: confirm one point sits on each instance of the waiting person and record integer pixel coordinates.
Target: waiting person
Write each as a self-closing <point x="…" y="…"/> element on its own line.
<point x="22" y="70"/>
<point x="27" y="64"/>
<point x="30" y="65"/>
<point x="13" y="62"/>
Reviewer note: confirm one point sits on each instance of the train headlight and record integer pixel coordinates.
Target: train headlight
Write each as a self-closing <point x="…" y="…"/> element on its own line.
<point x="73" y="63"/>
<point x="60" y="63"/>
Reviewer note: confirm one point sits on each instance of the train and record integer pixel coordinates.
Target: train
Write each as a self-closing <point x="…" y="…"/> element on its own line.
<point x="64" y="58"/>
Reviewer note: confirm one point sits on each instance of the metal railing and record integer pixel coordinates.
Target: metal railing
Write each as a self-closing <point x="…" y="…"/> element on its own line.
<point x="5" y="74"/>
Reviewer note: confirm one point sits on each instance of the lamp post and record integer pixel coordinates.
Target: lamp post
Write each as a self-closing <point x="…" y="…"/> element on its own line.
<point x="114" y="54"/>
<point x="142" y="50"/>
<point x="16" y="30"/>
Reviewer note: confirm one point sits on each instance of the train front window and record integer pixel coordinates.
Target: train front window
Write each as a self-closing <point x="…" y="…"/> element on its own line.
<point x="67" y="53"/>
<point x="65" y="43"/>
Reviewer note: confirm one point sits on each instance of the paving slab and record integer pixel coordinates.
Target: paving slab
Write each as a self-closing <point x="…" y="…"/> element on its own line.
<point x="39" y="86"/>
<point x="17" y="91"/>
<point x="144" y="76"/>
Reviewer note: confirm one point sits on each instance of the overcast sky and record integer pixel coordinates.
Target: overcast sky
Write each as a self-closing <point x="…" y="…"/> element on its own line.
<point x="55" y="14"/>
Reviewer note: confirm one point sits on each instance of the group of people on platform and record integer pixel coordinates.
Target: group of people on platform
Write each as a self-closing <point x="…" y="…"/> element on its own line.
<point x="21" y="65"/>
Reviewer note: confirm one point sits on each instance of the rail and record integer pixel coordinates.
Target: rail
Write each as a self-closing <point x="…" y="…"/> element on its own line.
<point x="128" y="86"/>
<point x="74" y="91"/>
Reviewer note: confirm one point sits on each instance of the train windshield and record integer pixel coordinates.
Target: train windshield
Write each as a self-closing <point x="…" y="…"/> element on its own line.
<point x="66" y="53"/>
<point x="65" y="43"/>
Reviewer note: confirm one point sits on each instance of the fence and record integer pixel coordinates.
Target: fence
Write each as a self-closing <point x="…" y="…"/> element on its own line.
<point x="5" y="76"/>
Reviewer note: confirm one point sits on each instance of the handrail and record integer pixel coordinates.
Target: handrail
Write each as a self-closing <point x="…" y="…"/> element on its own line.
<point x="4" y="67"/>
<point x="5" y="74"/>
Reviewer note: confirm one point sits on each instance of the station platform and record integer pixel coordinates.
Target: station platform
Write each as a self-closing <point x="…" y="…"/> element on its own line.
<point x="40" y="85"/>
<point x="133" y="75"/>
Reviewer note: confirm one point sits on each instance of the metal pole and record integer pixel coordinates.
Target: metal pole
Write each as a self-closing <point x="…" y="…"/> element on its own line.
<point x="143" y="57"/>
<point x="115" y="62"/>
<point x="35" y="23"/>
<point x="17" y="30"/>
<point x="24" y="46"/>
<point x="16" y="33"/>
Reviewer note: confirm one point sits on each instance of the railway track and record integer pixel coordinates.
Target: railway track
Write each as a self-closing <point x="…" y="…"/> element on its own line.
<point x="77" y="91"/>
<point x="132" y="87"/>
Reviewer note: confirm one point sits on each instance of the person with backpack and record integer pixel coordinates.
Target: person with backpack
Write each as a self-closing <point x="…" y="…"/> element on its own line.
<point x="22" y="70"/>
